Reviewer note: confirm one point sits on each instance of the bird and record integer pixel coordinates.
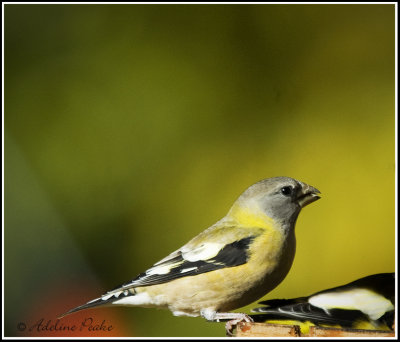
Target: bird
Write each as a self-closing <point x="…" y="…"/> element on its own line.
<point x="231" y="264"/>
<point x="366" y="303"/>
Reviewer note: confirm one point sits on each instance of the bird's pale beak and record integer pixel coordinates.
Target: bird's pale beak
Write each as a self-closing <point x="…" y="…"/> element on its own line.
<point x="308" y="195"/>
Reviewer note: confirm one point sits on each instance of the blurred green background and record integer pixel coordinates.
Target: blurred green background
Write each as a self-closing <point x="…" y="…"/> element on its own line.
<point x="129" y="129"/>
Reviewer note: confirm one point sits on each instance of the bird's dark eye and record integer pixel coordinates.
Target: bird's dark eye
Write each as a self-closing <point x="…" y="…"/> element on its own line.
<point x="287" y="190"/>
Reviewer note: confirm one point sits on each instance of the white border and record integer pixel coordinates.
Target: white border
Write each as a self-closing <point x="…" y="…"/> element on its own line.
<point x="201" y="3"/>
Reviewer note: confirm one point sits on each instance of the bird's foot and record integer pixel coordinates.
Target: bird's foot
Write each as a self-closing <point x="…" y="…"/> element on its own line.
<point x="234" y="318"/>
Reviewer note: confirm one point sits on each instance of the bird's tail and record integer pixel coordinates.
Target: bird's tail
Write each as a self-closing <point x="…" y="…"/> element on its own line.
<point x="112" y="297"/>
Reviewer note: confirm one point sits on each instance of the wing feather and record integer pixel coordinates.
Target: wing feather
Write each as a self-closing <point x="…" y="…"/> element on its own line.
<point x="183" y="263"/>
<point x="308" y="312"/>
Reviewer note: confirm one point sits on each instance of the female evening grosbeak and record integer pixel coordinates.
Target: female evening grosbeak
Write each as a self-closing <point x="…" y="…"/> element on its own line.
<point x="229" y="265"/>
<point x="366" y="303"/>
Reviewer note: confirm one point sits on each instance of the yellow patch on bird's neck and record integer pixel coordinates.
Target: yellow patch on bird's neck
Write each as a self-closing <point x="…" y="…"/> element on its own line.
<point x="250" y="216"/>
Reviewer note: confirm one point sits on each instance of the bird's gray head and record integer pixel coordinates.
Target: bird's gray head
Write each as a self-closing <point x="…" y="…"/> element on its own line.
<point x="279" y="198"/>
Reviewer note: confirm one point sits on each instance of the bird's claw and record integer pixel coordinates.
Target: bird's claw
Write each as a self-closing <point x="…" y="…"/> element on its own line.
<point x="230" y="325"/>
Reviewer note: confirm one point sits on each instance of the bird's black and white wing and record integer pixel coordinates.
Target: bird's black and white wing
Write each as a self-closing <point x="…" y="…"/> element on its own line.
<point x="206" y="257"/>
<point x="369" y="299"/>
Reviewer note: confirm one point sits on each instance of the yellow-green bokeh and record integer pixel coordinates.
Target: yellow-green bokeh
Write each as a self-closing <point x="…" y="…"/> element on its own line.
<point x="131" y="128"/>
